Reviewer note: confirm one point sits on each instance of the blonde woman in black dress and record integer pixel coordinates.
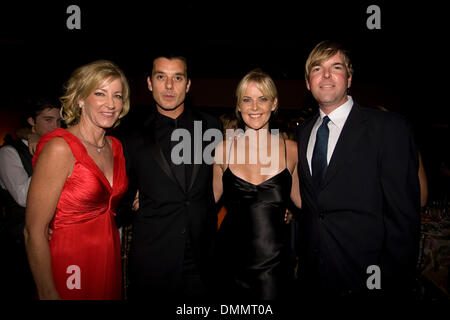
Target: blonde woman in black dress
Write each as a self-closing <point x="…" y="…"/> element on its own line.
<point x="256" y="173"/>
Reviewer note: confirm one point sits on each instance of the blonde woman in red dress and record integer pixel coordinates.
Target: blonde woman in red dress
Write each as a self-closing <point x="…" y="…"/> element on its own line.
<point x="79" y="178"/>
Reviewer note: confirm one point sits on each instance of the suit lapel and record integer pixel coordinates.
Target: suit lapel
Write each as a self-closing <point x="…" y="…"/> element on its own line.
<point x="157" y="153"/>
<point x="303" y="146"/>
<point x="161" y="159"/>
<point x="350" y="134"/>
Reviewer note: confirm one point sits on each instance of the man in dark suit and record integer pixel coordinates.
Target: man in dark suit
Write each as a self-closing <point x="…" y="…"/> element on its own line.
<point x="174" y="227"/>
<point x="358" y="170"/>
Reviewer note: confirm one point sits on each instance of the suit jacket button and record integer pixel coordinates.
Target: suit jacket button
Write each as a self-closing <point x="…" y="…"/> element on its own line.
<point x="183" y="231"/>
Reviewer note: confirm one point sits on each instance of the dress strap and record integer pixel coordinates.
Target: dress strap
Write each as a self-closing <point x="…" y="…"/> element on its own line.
<point x="285" y="153"/>
<point x="229" y="153"/>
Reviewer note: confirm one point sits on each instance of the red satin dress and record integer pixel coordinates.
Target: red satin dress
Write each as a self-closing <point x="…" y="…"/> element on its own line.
<point x="85" y="244"/>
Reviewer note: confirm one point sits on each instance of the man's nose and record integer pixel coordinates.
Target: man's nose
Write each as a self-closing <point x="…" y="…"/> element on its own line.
<point x="169" y="83"/>
<point x="55" y="124"/>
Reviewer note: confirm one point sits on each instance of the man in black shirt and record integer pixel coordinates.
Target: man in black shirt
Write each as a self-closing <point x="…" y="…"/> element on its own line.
<point x="174" y="227"/>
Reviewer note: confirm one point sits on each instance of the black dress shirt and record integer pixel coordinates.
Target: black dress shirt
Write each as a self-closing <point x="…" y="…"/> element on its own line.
<point x="164" y="129"/>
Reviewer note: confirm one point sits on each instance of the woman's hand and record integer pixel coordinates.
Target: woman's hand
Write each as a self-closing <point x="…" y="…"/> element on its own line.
<point x="51" y="295"/>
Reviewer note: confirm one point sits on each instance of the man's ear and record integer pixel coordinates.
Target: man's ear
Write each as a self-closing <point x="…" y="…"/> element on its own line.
<point x="307" y="85"/>
<point x="30" y="121"/>
<point x="188" y="85"/>
<point x="149" y="83"/>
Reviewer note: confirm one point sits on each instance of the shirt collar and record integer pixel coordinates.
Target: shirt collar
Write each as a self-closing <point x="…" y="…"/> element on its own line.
<point x="340" y="114"/>
<point x="163" y="120"/>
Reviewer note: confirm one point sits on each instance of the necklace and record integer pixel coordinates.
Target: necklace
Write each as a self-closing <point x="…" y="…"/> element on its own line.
<point x="99" y="148"/>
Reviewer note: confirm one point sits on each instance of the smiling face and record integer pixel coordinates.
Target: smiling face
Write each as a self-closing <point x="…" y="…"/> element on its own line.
<point x="103" y="105"/>
<point x="169" y="84"/>
<point x="328" y="82"/>
<point x="256" y="107"/>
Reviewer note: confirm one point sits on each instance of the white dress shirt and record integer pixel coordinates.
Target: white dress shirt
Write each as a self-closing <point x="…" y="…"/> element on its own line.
<point x="13" y="176"/>
<point x="335" y="125"/>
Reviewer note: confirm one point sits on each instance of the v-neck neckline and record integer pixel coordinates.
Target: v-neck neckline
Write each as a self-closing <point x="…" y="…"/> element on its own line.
<point x="97" y="169"/>
<point x="261" y="183"/>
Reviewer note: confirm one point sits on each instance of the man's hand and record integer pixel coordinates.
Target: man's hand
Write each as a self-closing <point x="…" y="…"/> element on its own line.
<point x="49" y="233"/>
<point x="288" y="216"/>
<point x="135" y="206"/>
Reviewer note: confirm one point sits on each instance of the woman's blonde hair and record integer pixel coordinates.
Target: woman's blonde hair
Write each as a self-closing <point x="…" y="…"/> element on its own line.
<point x="263" y="82"/>
<point x="83" y="81"/>
<point x="323" y="51"/>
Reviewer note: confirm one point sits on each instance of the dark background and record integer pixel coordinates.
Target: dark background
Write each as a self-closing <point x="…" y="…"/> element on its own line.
<point x="402" y="67"/>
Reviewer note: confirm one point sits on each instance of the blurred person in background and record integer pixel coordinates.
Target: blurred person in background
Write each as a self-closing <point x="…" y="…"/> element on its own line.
<point x="16" y="170"/>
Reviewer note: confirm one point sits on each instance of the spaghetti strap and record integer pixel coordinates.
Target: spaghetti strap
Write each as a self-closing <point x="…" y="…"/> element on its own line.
<point x="285" y="154"/>
<point x="229" y="153"/>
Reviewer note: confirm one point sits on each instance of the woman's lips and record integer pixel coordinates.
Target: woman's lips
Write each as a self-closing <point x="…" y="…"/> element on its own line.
<point x="107" y="114"/>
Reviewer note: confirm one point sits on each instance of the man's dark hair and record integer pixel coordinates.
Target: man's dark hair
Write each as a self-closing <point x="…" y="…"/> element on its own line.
<point x="170" y="55"/>
<point x="34" y="107"/>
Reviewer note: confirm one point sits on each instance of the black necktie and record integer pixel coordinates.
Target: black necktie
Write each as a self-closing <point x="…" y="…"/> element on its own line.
<point x="319" y="158"/>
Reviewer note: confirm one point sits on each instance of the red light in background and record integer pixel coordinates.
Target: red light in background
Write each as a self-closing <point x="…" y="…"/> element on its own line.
<point x="9" y="123"/>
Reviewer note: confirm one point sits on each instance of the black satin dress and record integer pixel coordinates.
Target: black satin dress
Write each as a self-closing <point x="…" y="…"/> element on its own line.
<point x="253" y="238"/>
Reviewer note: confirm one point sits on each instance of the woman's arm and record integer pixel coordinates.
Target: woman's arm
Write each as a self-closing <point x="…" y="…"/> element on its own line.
<point x="292" y="164"/>
<point x="54" y="165"/>
<point x="295" y="190"/>
<point x="218" y="168"/>
<point x="423" y="183"/>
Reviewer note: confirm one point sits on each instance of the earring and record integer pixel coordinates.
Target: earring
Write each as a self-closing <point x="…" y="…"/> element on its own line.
<point x="80" y="105"/>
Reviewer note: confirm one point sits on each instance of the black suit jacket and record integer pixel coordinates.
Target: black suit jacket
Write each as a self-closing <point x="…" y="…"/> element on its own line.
<point x="168" y="213"/>
<point x="366" y="212"/>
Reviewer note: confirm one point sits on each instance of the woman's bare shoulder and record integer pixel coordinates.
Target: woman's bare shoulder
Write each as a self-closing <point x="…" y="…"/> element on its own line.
<point x="57" y="148"/>
<point x="291" y="146"/>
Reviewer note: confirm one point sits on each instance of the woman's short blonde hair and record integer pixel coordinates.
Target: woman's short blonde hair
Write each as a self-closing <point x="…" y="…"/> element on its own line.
<point x="83" y="81"/>
<point x="263" y="82"/>
<point x="323" y="51"/>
